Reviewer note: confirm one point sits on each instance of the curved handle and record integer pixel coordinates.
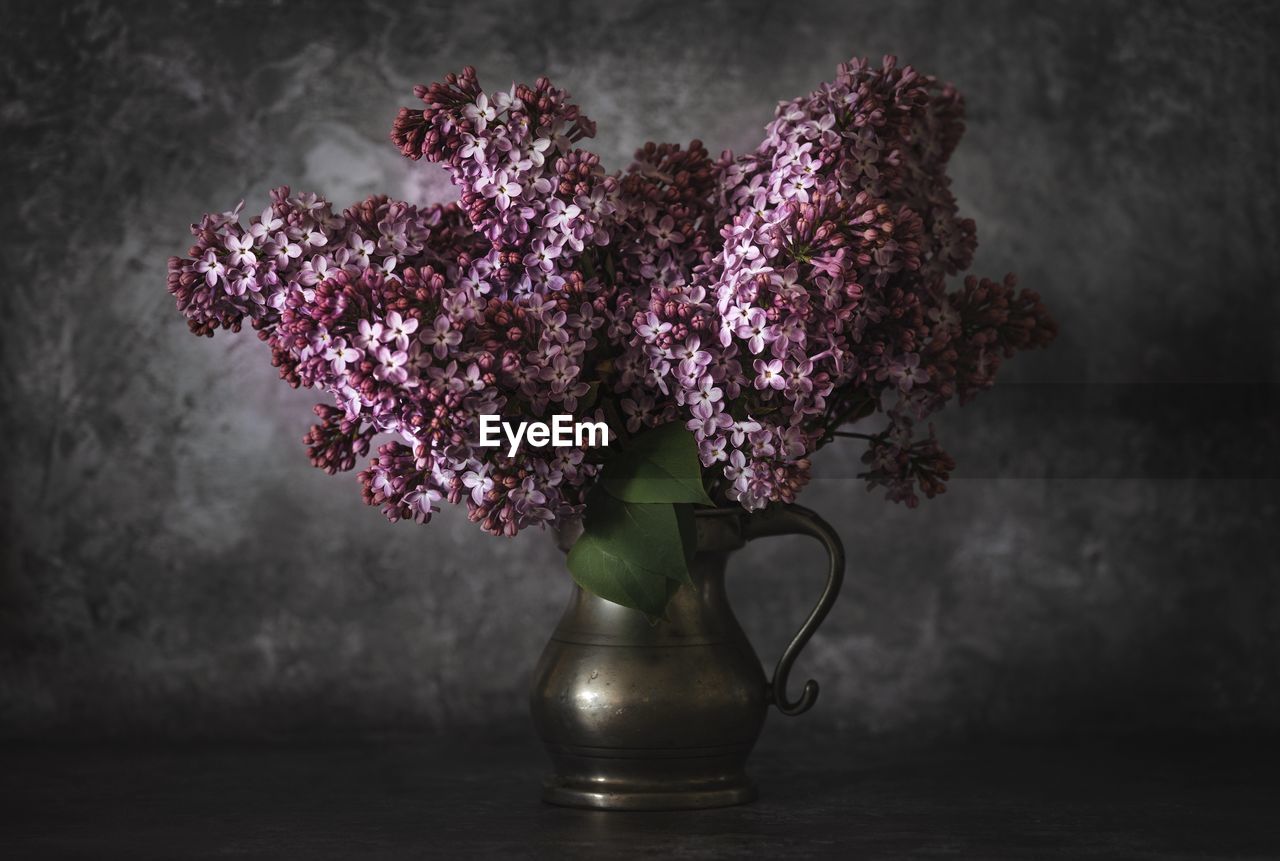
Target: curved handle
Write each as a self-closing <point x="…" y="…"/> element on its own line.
<point x="795" y="520"/>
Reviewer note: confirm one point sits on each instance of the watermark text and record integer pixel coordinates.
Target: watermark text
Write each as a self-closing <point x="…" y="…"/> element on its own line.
<point x="563" y="431"/>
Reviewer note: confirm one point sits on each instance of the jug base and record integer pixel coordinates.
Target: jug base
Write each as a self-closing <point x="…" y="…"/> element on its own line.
<point x="613" y="796"/>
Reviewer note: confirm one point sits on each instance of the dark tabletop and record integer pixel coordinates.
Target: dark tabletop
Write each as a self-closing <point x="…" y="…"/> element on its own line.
<point x="823" y="794"/>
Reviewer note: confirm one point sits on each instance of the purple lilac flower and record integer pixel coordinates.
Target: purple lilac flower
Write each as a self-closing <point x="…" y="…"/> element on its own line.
<point x="761" y="300"/>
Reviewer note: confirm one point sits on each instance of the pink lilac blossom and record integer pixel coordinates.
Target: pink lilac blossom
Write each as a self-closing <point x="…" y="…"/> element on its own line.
<point x="762" y="301"/>
<point x="375" y="312"/>
<point x="824" y="298"/>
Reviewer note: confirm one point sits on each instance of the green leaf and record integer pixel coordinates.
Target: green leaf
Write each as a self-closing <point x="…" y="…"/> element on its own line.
<point x="650" y="536"/>
<point x="688" y="530"/>
<point x="659" y="465"/>
<point x="598" y="567"/>
<point x="634" y="553"/>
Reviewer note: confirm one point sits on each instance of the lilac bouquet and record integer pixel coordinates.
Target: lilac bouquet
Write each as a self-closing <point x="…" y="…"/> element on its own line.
<point x="724" y="317"/>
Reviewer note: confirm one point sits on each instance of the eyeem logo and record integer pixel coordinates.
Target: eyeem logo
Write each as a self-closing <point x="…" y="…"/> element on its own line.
<point x="563" y="431"/>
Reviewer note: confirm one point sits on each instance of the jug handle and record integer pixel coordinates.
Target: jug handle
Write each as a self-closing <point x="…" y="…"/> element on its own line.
<point x="797" y="520"/>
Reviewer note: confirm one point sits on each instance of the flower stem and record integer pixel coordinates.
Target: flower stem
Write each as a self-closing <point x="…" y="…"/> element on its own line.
<point x="853" y="435"/>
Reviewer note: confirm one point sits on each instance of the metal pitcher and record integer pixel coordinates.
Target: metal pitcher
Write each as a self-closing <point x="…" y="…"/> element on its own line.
<point x="641" y="716"/>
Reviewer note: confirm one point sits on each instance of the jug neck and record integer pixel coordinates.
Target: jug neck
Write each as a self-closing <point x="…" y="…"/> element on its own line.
<point x="720" y="530"/>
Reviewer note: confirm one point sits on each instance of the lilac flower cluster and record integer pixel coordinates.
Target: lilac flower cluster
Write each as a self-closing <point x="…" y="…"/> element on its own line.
<point x="825" y="300"/>
<point x="763" y="301"/>
<point x="537" y="200"/>
<point x="372" y="308"/>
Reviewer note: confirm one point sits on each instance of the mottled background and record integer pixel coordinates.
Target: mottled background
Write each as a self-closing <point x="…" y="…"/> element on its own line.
<point x="1106" y="559"/>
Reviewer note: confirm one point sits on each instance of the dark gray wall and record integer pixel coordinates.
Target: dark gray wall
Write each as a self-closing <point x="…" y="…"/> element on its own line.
<point x="1105" y="560"/>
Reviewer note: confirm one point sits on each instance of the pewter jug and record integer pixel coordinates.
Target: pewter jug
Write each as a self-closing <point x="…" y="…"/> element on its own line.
<point x="662" y="716"/>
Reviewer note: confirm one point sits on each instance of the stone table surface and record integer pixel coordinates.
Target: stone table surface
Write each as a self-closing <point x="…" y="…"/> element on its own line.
<point x="823" y="794"/>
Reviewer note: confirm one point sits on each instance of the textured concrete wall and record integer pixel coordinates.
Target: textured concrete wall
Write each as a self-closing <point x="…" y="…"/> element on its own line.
<point x="1106" y="558"/>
